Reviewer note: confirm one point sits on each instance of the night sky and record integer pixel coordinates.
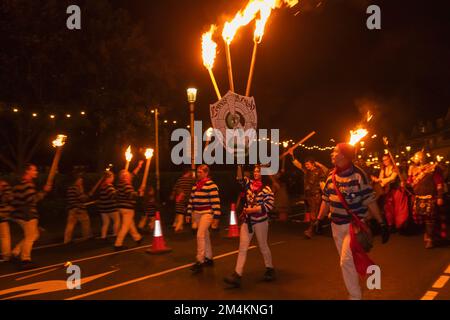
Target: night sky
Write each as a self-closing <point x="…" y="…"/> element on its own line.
<point x="318" y="69"/>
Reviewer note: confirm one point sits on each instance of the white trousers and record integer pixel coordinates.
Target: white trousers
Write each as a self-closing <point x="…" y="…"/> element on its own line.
<point x="5" y="239"/>
<point x="106" y="218"/>
<point x="128" y="225"/>
<point x="341" y="236"/>
<point x="261" y="230"/>
<point x="203" y="221"/>
<point x="75" y="216"/>
<point x="31" y="234"/>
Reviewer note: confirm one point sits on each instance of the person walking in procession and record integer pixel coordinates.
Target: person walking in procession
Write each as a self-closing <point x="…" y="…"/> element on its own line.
<point x="126" y="202"/>
<point x="6" y="196"/>
<point x="259" y="201"/>
<point x="77" y="210"/>
<point x="349" y="197"/>
<point x="203" y="208"/>
<point x="107" y="205"/>
<point x="25" y="200"/>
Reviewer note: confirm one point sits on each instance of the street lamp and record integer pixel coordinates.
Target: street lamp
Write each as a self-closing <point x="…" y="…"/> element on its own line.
<point x="192" y="97"/>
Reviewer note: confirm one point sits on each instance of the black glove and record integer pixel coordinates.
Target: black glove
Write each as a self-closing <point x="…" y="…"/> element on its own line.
<point x="384" y="233"/>
<point x="317" y="226"/>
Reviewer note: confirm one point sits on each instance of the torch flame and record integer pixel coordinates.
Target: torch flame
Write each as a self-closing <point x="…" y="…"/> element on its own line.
<point x="357" y="135"/>
<point x="128" y="154"/>
<point x="59" y="141"/>
<point x="209" y="133"/>
<point x="209" y="48"/>
<point x="244" y="17"/>
<point x="148" y="153"/>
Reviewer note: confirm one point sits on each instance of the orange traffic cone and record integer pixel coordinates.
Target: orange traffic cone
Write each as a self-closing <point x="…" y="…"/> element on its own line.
<point x="158" y="245"/>
<point x="307" y="217"/>
<point x="233" y="230"/>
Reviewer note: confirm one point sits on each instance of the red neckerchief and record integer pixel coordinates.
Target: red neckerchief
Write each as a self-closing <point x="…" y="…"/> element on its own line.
<point x="200" y="183"/>
<point x="256" y="186"/>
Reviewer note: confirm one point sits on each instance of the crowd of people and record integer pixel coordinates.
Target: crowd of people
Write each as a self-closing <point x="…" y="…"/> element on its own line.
<point x="347" y="194"/>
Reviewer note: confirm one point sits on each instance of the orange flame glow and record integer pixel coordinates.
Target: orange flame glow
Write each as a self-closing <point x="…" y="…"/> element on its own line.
<point x="148" y="153"/>
<point x="209" y="48"/>
<point x="244" y="17"/>
<point x="59" y="141"/>
<point x="356" y="136"/>
<point x="128" y="154"/>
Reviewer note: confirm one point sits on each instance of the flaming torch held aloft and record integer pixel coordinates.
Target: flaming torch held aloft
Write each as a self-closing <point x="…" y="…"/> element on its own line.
<point x="148" y="156"/>
<point x="128" y="157"/>
<point x="209" y="134"/>
<point x="58" y="143"/>
<point x="209" y="55"/>
<point x="356" y="136"/>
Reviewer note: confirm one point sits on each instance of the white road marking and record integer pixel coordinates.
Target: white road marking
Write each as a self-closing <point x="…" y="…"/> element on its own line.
<point x="154" y="275"/>
<point x="46" y="287"/>
<point x="37" y="274"/>
<point x="74" y="261"/>
<point x="430" y="295"/>
<point x="440" y="283"/>
<point x="77" y="240"/>
<point x="448" y="270"/>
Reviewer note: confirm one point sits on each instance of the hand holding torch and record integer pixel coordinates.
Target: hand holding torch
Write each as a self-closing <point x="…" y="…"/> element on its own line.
<point x="148" y="156"/>
<point x="58" y="143"/>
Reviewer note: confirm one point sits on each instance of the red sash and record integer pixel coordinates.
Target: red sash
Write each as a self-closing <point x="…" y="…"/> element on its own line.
<point x="360" y="258"/>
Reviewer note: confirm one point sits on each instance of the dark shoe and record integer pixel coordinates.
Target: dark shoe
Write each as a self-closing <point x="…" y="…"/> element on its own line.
<point x="208" y="262"/>
<point x="309" y="233"/>
<point x="27" y="265"/>
<point x="233" y="280"/>
<point x="139" y="242"/>
<point x="392" y="229"/>
<point x="14" y="259"/>
<point x="196" y="268"/>
<point x="121" y="248"/>
<point x="269" y="275"/>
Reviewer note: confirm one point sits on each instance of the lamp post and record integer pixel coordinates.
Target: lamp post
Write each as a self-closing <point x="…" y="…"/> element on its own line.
<point x="158" y="183"/>
<point x="192" y="97"/>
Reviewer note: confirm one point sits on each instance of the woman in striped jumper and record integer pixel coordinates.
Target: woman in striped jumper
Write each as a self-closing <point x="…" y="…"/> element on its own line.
<point x="107" y="205"/>
<point x="5" y="213"/>
<point x="204" y="207"/>
<point x="259" y="200"/>
<point x="77" y="210"/>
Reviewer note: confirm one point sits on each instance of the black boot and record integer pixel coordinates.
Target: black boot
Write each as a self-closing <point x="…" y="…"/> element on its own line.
<point x="196" y="268"/>
<point x="208" y="262"/>
<point x="234" y="280"/>
<point x="269" y="275"/>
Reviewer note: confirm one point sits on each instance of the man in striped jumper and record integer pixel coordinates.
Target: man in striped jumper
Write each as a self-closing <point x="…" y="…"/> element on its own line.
<point x="25" y="200"/>
<point x="5" y="213"/>
<point x="107" y="205"/>
<point x="77" y="210"/>
<point x="180" y="193"/>
<point x="357" y="191"/>
<point x="259" y="201"/>
<point x="203" y="207"/>
<point x="126" y="202"/>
